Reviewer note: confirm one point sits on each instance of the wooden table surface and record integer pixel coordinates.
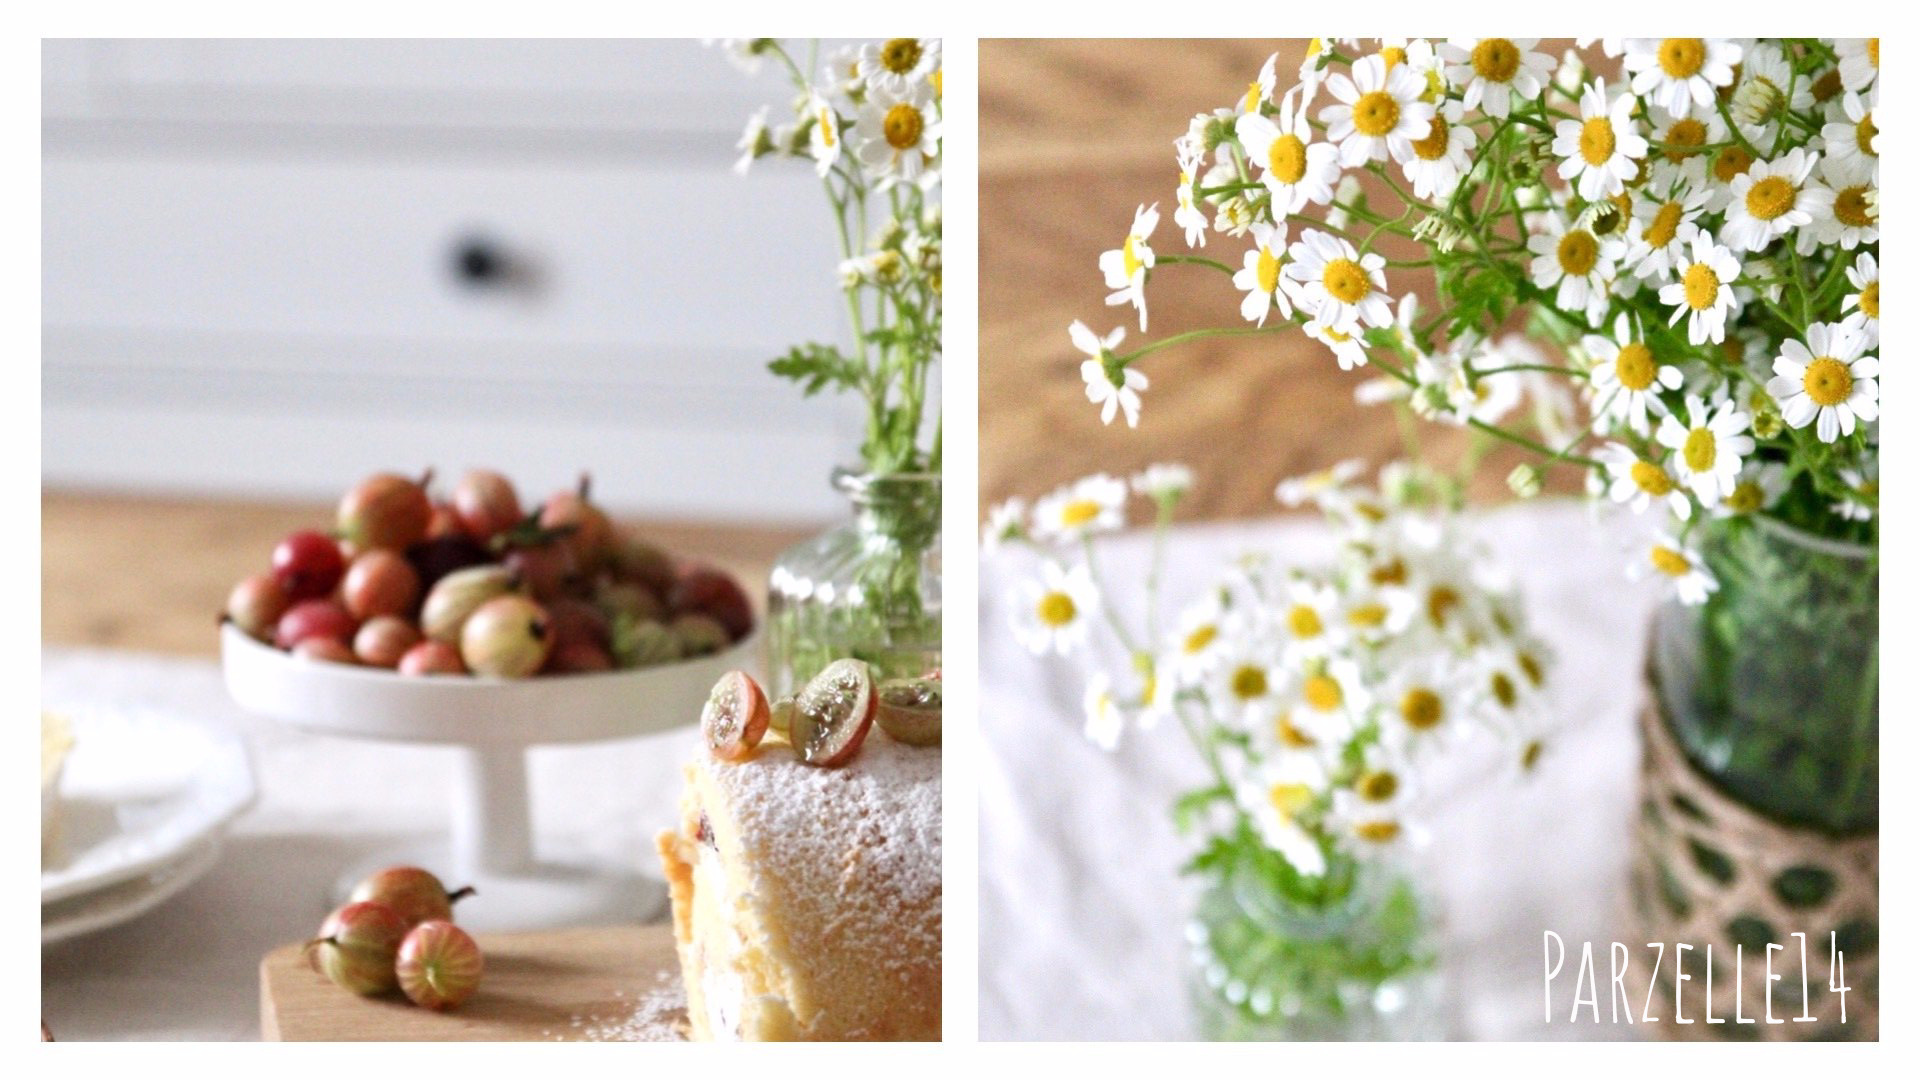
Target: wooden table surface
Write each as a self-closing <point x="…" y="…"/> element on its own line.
<point x="153" y="573"/>
<point x="1073" y="135"/>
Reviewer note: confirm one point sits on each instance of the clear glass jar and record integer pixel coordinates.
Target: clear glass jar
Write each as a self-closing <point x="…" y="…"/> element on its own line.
<point x="1771" y="687"/>
<point x="1358" y="964"/>
<point x="868" y="588"/>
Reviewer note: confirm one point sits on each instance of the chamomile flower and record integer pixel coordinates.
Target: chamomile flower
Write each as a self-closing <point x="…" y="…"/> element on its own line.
<point x="1859" y="62"/>
<point x="756" y="141"/>
<point x="1676" y="565"/>
<point x="1348" y="350"/>
<point x="1295" y="169"/>
<point x="1424" y="705"/>
<point x="1197" y="641"/>
<point x="1109" y="385"/>
<point x="1373" y="809"/>
<point x="824" y="136"/>
<point x="1574" y="263"/>
<point x="1703" y="295"/>
<point x="1443" y="155"/>
<point x="1666" y="212"/>
<point x="1862" y="500"/>
<point x="1855" y="216"/>
<point x="1163" y="482"/>
<point x="1313" y="66"/>
<point x="1377" y="113"/>
<point x="1246" y="678"/>
<point x="1627" y="379"/>
<point x="1708" y="442"/>
<point x="1760" y="485"/>
<point x="1309" y="618"/>
<point x="1682" y="137"/>
<point x="898" y="134"/>
<point x="1092" y="504"/>
<point x="1864" y="300"/>
<point x="1006" y="523"/>
<point x="1187" y="214"/>
<point x="1600" y="151"/>
<point x="1494" y="72"/>
<point x="898" y="66"/>
<point x="1104" y="720"/>
<point x="1285" y="789"/>
<point x="1315" y="487"/>
<point x="1419" y="57"/>
<point x="1772" y="198"/>
<point x="1052" y="615"/>
<point x="1260" y="90"/>
<point x="1125" y="267"/>
<point x="1850" y="133"/>
<point x="1827" y="381"/>
<point x="1681" y="74"/>
<point x="1638" y="483"/>
<point x="1765" y="91"/>
<point x="1338" y="286"/>
<point x="1260" y="276"/>
<point x="1327" y="700"/>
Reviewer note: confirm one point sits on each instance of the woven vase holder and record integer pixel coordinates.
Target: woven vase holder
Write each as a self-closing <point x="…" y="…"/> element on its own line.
<point x="1707" y="869"/>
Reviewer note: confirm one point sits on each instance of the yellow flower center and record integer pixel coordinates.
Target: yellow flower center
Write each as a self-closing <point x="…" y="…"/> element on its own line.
<point x="1596" y="140"/>
<point x="1850" y="207"/>
<point x="902" y="126"/>
<point x="1700" y="449"/>
<point x="1682" y="57"/>
<point x="1200" y="638"/>
<point x="1669" y="562"/>
<point x="1770" y="197"/>
<point x="1304" y="622"/>
<point x="1393" y="54"/>
<point x="1249" y="682"/>
<point x="1530" y="667"/>
<point x="1731" y="162"/>
<point x="1130" y="261"/>
<point x="1611" y="216"/>
<point x="1746" y="498"/>
<point x="1289" y="799"/>
<point x="1634" y="367"/>
<point x="1702" y="286"/>
<point x="1287" y="158"/>
<point x="1665" y="225"/>
<point x="1377" y="785"/>
<point x="1503" y="689"/>
<point x="827" y="136"/>
<point x="1434" y="146"/>
<point x="1870" y="299"/>
<point x="1530" y="756"/>
<point x="1578" y="252"/>
<point x="1389" y="573"/>
<point x="1496" y="59"/>
<point x="1079" y="512"/>
<point x="1377" y="832"/>
<point x="1863" y="134"/>
<point x="1421" y="709"/>
<point x="1254" y="94"/>
<point x="1345" y="281"/>
<point x="900" y="55"/>
<point x="1290" y="735"/>
<point x="1683" y="136"/>
<point x="1267" y="271"/>
<point x="1368" y="615"/>
<point x="938" y="79"/>
<point x="1651" y="479"/>
<point x="1322" y="692"/>
<point x="1376" y="113"/>
<point x="1827" y="86"/>
<point x="1441" y="600"/>
<point x="1057" y="609"/>
<point x="1828" y="382"/>
<point x="1873" y="52"/>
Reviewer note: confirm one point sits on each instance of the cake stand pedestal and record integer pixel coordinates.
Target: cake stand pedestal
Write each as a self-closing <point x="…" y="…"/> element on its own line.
<point x="490" y="723"/>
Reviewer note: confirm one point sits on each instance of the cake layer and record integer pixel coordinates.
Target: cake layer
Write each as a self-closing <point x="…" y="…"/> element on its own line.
<point x="806" y="901"/>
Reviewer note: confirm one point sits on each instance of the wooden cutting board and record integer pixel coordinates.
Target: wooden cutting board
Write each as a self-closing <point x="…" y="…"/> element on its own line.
<point x="555" y="984"/>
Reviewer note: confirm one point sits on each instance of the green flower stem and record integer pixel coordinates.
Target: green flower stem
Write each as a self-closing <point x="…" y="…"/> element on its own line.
<point x="1196" y="335"/>
<point x="1195" y="260"/>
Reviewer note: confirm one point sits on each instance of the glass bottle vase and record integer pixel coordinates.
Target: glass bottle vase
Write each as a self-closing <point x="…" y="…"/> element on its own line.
<point x="868" y="588"/>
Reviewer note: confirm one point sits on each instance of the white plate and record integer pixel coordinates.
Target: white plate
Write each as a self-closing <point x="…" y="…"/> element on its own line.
<point x="127" y="900"/>
<point x="371" y="703"/>
<point x="140" y="790"/>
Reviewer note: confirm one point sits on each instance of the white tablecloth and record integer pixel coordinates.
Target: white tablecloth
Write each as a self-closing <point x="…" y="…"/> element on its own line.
<point x="1081" y="910"/>
<point x="188" y="969"/>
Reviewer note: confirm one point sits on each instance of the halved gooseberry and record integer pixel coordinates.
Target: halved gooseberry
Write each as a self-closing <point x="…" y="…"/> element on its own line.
<point x="832" y="713"/>
<point x="910" y="711"/>
<point x="780" y="715"/>
<point x="734" y="718"/>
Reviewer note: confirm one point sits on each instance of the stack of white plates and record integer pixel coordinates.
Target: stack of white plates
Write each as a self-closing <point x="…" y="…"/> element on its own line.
<point x="144" y="802"/>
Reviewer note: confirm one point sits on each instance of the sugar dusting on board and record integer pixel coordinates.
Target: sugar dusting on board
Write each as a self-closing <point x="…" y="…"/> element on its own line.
<point x="659" y="1015"/>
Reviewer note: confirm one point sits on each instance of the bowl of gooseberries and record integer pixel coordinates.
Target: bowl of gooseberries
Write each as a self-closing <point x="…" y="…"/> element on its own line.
<point x="468" y="615"/>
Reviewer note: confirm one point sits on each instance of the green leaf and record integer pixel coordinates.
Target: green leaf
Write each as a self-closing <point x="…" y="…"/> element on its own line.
<point x="816" y="367"/>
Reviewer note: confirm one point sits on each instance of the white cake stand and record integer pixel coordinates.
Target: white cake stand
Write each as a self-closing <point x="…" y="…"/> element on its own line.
<point x="492" y="722"/>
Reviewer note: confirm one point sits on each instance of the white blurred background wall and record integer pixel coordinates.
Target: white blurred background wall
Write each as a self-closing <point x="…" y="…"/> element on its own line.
<point x="272" y="266"/>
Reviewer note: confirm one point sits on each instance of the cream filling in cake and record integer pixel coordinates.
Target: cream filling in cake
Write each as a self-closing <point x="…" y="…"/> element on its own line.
<point x="806" y="901"/>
